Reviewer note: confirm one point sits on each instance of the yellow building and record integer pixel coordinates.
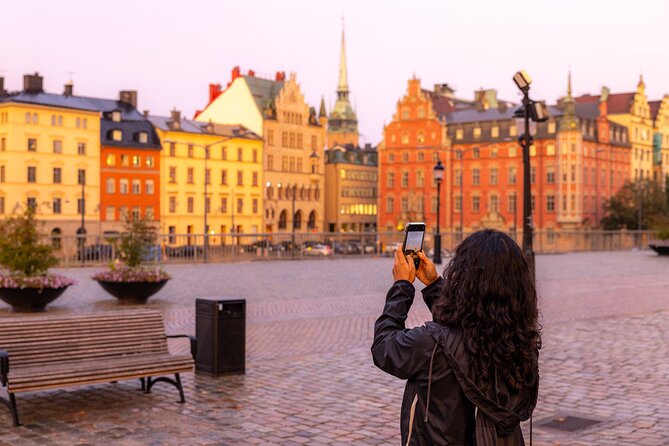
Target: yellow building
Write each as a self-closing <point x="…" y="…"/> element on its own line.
<point x="232" y="174"/>
<point x="293" y="151"/>
<point x="351" y="189"/>
<point x="633" y="111"/>
<point x="49" y="146"/>
<point x="660" y="113"/>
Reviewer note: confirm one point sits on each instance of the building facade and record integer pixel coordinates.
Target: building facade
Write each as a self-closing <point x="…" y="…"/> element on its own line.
<point x="226" y="161"/>
<point x="50" y="157"/>
<point x="293" y="152"/>
<point x="660" y="115"/>
<point x="130" y="167"/>
<point x="351" y="178"/>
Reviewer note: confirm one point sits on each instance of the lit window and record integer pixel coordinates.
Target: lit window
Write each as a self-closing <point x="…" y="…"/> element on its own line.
<point x="477" y="132"/>
<point x="136" y="160"/>
<point x="111" y="159"/>
<point x="459" y="134"/>
<point x="117" y="135"/>
<point x="494" y="132"/>
<point x="143" y="137"/>
<point x="116" y="116"/>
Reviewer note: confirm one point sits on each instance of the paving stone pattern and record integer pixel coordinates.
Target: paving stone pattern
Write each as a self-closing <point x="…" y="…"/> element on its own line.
<point x="310" y="379"/>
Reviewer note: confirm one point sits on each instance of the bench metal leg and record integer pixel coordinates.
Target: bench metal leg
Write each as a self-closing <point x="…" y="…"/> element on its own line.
<point x="143" y="381"/>
<point x="175" y="382"/>
<point x="11" y="405"/>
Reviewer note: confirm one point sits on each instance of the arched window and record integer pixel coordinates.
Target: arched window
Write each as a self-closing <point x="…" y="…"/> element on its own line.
<point x="283" y="219"/>
<point x="297" y="220"/>
<point x="311" y="224"/>
<point x="55" y="238"/>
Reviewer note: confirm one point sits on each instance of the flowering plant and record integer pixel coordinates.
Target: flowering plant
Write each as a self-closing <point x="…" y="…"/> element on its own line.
<point x="19" y="280"/>
<point x="124" y="273"/>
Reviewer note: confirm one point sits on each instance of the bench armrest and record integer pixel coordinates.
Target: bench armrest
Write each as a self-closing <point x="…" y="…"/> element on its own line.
<point x="4" y="367"/>
<point x="193" y="343"/>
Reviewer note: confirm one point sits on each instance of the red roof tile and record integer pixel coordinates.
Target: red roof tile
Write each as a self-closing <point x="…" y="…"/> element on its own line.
<point x="654" y="108"/>
<point x="619" y="103"/>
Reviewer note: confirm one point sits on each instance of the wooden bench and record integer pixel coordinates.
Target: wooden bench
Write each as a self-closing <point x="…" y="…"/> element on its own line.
<point x="55" y="351"/>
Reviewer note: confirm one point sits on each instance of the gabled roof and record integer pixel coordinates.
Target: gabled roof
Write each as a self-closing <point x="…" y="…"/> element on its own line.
<point x="654" y="108"/>
<point x="75" y="102"/>
<point x="264" y="91"/>
<point x="188" y="126"/>
<point x="474" y="115"/>
<point x="129" y="131"/>
<point x="619" y="103"/>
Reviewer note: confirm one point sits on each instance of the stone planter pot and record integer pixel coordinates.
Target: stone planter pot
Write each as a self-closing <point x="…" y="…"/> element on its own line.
<point x="662" y="247"/>
<point x="30" y="300"/>
<point x="129" y="293"/>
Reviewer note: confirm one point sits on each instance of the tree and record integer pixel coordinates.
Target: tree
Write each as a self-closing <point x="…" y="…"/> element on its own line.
<point x="21" y="248"/>
<point x="623" y="208"/>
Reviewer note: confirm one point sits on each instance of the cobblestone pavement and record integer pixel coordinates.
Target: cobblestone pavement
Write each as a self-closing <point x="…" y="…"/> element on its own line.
<point x="310" y="379"/>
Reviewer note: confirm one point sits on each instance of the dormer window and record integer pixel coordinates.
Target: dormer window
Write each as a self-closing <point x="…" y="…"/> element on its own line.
<point x="116" y="116"/>
<point x="116" y="135"/>
<point x="143" y="137"/>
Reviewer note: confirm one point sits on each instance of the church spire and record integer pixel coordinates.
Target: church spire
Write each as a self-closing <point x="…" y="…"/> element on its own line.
<point x="342" y="87"/>
<point x="569" y="84"/>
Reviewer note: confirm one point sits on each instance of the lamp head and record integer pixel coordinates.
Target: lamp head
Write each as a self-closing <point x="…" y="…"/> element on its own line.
<point x="522" y="80"/>
<point x="438" y="171"/>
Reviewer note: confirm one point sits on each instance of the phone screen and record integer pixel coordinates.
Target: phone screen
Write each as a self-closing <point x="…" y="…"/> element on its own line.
<point x="414" y="241"/>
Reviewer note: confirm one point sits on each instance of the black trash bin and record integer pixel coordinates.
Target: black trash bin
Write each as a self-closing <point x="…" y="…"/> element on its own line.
<point x="220" y="327"/>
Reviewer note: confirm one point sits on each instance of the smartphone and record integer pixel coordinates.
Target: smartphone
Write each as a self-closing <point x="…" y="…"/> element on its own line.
<point x="414" y="233"/>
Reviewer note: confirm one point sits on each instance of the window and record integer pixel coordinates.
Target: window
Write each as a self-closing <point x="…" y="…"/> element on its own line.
<point x="405" y="204"/>
<point x="224" y="205"/>
<point x="512" y="204"/>
<point x="493" y="152"/>
<point x="31" y="202"/>
<point x="421" y="156"/>
<point x="191" y="205"/>
<point x="32" y="174"/>
<point x="110" y="185"/>
<point x="149" y="161"/>
<point x="116" y="135"/>
<point x="57" y="175"/>
<point x="533" y="150"/>
<point x="240" y="154"/>
<point x="405" y="178"/>
<point x="459" y="134"/>
<point x="207" y="204"/>
<point x="550" y="175"/>
<point x="458" y="204"/>
<point x="136" y="187"/>
<point x="270" y="137"/>
<point x="476" y="176"/>
<point x="57" y="206"/>
<point x="405" y="138"/>
<point x="299" y="165"/>
<point x="513" y="175"/>
<point x="390" y="180"/>
<point x="110" y="213"/>
<point x="3" y="144"/>
<point x="136" y="213"/>
<point x="477" y="132"/>
<point x="255" y="205"/>
<point x="512" y="130"/>
<point x="110" y="159"/>
<point x="189" y="176"/>
<point x="148" y="213"/>
<point x="173" y="149"/>
<point x="173" y="205"/>
<point x="550" y="149"/>
<point x="533" y="174"/>
<point x="255" y="178"/>
<point x="493" y="204"/>
<point x="476" y="152"/>
<point x="81" y="206"/>
<point x="58" y="146"/>
<point x="81" y="176"/>
<point x="513" y="152"/>
<point x="420" y="178"/>
<point x="240" y="178"/>
<point x="150" y="187"/>
<point x="207" y="176"/>
<point x="390" y="205"/>
<point x="270" y="162"/>
<point x="116" y="116"/>
<point x="32" y="145"/>
<point x="190" y="150"/>
<point x="255" y="156"/>
<point x="240" y="205"/>
<point x="405" y="157"/>
<point x="143" y="137"/>
<point x="551" y="127"/>
<point x="458" y="177"/>
<point x="136" y="160"/>
<point x="391" y="157"/>
<point x="85" y="123"/>
<point x="124" y="186"/>
<point x="2" y="205"/>
<point x="494" y="176"/>
<point x="35" y="120"/>
<point x="494" y="132"/>
<point x="476" y="204"/>
<point x="2" y="174"/>
<point x="173" y="174"/>
<point x="550" y="203"/>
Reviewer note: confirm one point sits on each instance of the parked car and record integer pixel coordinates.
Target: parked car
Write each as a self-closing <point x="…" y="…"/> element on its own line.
<point x="182" y="252"/>
<point x="390" y="249"/>
<point x="318" y="250"/>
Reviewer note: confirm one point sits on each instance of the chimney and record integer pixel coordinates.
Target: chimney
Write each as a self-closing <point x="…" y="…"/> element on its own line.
<point x="236" y="72"/>
<point x="69" y="89"/>
<point x="128" y="97"/>
<point x="2" y="86"/>
<point x="32" y="83"/>
<point x="252" y="73"/>
<point x="280" y="76"/>
<point x="215" y="91"/>
<point x="175" y="120"/>
<point x="146" y="114"/>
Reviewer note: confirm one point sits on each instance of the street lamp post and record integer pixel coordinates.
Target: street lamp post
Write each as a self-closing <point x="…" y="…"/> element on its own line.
<point x="82" y="180"/>
<point x="537" y="111"/>
<point x="292" y="235"/>
<point x="438" y="177"/>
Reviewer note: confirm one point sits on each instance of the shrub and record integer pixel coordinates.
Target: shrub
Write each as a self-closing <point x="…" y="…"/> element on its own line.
<point x="21" y="251"/>
<point x="136" y="240"/>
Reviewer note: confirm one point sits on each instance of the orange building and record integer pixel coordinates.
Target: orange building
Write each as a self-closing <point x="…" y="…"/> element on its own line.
<point x="130" y="170"/>
<point x="412" y="143"/>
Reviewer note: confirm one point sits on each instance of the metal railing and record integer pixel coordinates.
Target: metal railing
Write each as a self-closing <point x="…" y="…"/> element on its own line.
<point x="95" y="250"/>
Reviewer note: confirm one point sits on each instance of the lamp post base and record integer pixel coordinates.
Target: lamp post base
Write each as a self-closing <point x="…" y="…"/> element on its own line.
<point x="436" y="258"/>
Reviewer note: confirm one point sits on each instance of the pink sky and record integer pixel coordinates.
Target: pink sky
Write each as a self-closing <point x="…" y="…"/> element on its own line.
<point x="171" y="50"/>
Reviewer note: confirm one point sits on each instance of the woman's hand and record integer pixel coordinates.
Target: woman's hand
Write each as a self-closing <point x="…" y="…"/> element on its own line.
<point x="427" y="272"/>
<point x="403" y="268"/>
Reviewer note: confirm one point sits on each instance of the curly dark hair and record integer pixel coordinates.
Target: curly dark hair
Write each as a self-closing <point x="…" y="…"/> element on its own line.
<point x="489" y="294"/>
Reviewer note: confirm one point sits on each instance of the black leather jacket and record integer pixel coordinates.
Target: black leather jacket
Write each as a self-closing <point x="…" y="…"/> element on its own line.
<point x="441" y="395"/>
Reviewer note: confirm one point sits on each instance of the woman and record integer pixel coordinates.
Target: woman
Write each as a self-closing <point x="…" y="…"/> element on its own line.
<point x="472" y="373"/>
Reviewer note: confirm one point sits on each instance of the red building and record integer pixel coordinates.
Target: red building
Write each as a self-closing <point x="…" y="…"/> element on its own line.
<point x="130" y="171"/>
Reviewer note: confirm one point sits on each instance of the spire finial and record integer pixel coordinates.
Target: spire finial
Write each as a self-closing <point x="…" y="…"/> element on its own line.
<point x="343" y="75"/>
<point x="569" y="82"/>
